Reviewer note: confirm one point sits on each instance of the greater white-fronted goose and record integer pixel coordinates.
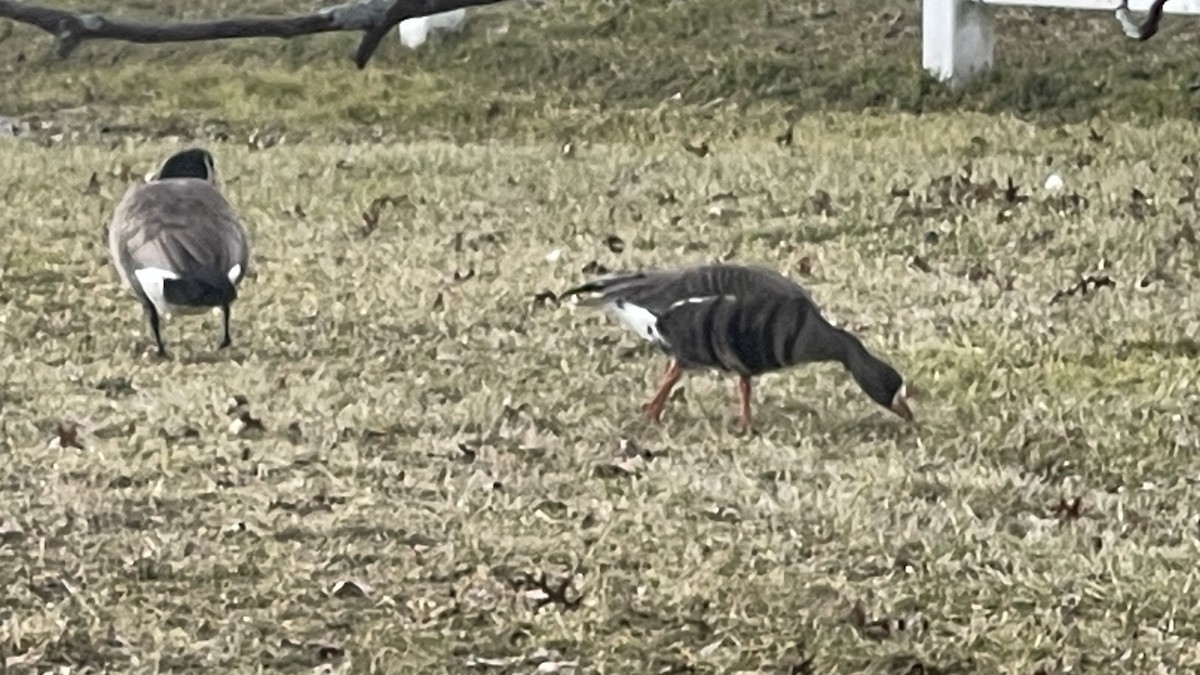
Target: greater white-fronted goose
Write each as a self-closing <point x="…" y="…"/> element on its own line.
<point x="739" y="319"/>
<point x="177" y="243"/>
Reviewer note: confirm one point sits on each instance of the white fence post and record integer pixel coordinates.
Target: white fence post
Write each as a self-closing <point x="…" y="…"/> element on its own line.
<point x="957" y="39"/>
<point x="957" y="36"/>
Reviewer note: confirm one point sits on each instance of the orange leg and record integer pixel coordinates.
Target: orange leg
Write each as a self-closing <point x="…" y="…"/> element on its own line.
<point x="743" y="391"/>
<point x="653" y="408"/>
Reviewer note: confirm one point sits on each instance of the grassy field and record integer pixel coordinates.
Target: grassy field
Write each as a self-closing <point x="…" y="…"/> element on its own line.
<point x="605" y="70"/>
<point x="427" y="470"/>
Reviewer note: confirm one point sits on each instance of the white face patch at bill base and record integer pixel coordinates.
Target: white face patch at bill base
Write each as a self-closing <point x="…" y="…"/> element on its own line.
<point x="901" y="398"/>
<point x="151" y="280"/>
<point x="234" y="272"/>
<point x="638" y="319"/>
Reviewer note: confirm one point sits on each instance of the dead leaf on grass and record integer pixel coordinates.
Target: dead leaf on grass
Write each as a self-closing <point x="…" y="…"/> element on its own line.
<point x="785" y="139"/>
<point x="263" y="139"/>
<point x="594" y="267"/>
<point x="1012" y="193"/>
<point x="1086" y="285"/>
<point x="614" y="243"/>
<point x="236" y="404"/>
<point x="115" y="387"/>
<point x="630" y="449"/>
<point x="246" y="425"/>
<point x="319" y="504"/>
<point x="11" y="533"/>
<point x="979" y="272"/>
<point x="542" y="592"/>
<point x="66" y="435"/>
<point x="374" y="211"/>
<point x="544" y="298"/>
<point x="624" y="468"/>
<point x="93" y="186"/>
<point x="295" y="435"/>
<point x="722" y="514"/>
<point x="821" y="203"/>
<point x="919" y="263"/>
<point x="699" y="149"/>
<point x="1068" y="510"/>
<point x="805" y="267"/>
<point x="350" y="588"/>
<point x="883" y="627"/>
<point x="1139" y="205"/>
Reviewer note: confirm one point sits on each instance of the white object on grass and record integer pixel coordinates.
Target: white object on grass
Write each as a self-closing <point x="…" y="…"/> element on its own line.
<point x="958" y="37"/>
<point x="414" y="32"/>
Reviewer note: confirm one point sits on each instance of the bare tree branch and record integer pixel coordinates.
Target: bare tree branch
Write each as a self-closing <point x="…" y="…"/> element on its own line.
<point x="1146" y="29"/>
<point x="375" y="18"/>
<point x="402" y="10"/>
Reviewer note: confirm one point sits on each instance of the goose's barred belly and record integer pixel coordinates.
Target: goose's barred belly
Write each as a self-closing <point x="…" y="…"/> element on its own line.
<point x="748" y="336"/>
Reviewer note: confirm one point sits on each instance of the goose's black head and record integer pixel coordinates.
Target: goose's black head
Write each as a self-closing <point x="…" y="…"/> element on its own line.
<point x="190" y="163"/>
<point x="883" y="384"/>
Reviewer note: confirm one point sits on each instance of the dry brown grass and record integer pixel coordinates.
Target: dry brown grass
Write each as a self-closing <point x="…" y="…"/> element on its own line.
<point x="443" y="441"/>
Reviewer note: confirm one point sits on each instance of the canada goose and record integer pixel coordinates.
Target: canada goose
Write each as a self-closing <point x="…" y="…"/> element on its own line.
<point x="177" y="244"/>
<point x="738" y="319"/>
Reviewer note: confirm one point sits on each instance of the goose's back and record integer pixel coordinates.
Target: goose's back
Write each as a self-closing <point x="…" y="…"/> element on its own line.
<point x="181" y="225"/>
<point x="749" y="333"/>
<point x="659" y="290"/>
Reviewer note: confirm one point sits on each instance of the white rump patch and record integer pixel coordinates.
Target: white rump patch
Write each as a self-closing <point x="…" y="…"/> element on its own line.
<point x="151" y="280"/>
<point x="234" y="272"/>
<point x="639" y="319"/>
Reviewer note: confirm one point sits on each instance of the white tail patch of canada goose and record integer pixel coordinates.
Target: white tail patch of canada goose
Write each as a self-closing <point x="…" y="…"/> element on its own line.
<point x="638" y="319"/>
<point x="234" y="272"/>
<point x="151" y="280"/>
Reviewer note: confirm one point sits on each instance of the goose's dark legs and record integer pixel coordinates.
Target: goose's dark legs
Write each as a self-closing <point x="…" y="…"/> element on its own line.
<point x="152" y="319"/>
<point x="653" y="408"/>
<point x="743" y="391"/>
<point x="226" y="340"/>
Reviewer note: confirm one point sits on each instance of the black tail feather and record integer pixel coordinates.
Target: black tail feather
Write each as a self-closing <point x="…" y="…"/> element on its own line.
<point x="589" y="287"/>
<point x="199" y="292"/>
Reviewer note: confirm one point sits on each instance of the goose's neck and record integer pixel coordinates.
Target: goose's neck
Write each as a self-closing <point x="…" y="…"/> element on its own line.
<point x="866" y="369"/>
<point x="844" y="347"/>
<point x="830" y="343"/>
